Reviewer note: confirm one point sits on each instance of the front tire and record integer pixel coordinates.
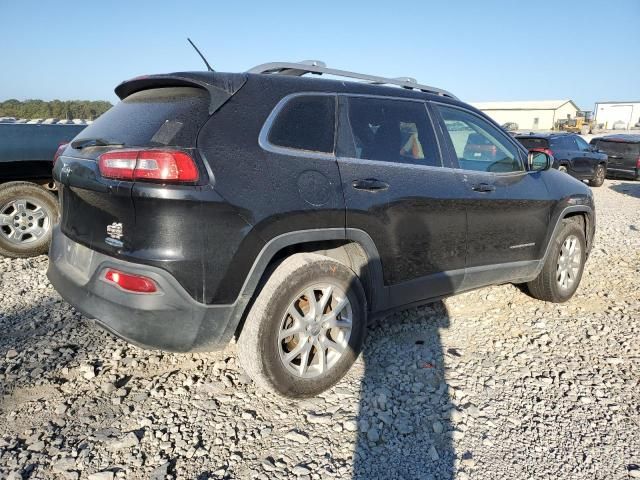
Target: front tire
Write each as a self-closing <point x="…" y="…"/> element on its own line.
<point x="306" y="327"/>
<point x="598" y="177"/>
<point x="27" y="214"/>
<point x="562" y="270"/>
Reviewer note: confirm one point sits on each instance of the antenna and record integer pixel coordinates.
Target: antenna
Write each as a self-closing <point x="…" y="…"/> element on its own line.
<point x="201" y="55"/>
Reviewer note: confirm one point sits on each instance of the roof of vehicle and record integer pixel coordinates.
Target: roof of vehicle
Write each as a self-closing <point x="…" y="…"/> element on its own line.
<point x="621" y="137"/>
<point x="222" y="84"/>
<point x="524" y="105"/>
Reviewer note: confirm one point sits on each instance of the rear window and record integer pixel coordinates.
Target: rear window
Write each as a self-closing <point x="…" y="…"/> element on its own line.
<point x="530" y="143"/>
<point x="305" y="123"/>
<point x="155" y="117"/>
<point x="620" y="148"/>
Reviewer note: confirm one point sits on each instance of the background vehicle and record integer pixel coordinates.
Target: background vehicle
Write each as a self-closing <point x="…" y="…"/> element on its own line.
<point x="623" y="152"/>
<point x="27" y="207"/>
<point x="582" y="123"/>
<point x="510" y="126"/>
<point x="571" y="153"/>
<point x="286" y="211"/>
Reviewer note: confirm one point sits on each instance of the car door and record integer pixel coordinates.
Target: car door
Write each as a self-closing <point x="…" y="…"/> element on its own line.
<point x="398" y="191"/>
<point x="587" y="159"/>
<point x="508" y="207"/>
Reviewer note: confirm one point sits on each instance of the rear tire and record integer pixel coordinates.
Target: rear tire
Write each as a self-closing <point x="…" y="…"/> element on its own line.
<point x="598" y="177"/>
<point x="563" y="168"/>
<point x="562" y="271"/>
<point x="267" y="349"/>
<point x="27" y="215"/>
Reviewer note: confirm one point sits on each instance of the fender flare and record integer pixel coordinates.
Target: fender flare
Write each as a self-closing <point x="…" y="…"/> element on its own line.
<point x="289" y="239"/>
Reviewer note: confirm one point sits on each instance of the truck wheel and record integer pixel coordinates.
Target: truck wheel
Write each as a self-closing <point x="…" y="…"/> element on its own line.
<point x="562" y="271"/>
<point x="306" y="327"/>
<point x="598" y="177"/>
<point x="27" y="214"/>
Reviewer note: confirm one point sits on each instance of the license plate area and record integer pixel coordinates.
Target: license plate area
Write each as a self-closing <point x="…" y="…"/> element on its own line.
<point x="79" y="258"/>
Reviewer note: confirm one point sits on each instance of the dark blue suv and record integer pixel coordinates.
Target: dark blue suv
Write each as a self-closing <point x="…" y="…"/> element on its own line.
<point x="571" y="153"/>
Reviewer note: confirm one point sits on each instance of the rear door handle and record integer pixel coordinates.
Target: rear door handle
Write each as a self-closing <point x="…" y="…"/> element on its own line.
<point x="370" y="185"/>
<point x="483" y="187"/>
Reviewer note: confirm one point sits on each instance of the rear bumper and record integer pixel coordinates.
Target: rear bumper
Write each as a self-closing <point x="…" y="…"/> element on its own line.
<point x="171" y="320"/>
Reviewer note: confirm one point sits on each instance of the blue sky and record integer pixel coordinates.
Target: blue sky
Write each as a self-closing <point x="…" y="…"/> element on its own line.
<point x="481" y="50"/>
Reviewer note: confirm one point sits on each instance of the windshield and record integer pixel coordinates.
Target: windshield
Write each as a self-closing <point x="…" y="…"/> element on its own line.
<point x="620" y="148"/>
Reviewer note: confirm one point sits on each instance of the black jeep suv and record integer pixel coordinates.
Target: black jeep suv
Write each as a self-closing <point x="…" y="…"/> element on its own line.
<point x="571" y="153"/>
<point x="285" y="211"/>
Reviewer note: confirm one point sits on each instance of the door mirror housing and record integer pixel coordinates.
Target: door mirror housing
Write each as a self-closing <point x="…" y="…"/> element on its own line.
<point x="539" y="161"/>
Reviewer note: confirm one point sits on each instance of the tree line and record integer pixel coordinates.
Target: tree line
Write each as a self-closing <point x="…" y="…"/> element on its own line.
<point x="62" y="109"/>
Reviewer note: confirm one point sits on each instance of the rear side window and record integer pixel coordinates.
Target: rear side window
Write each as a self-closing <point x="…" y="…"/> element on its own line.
<point x="305" y="123"/>
<point x="159" y="116"/>
<point x="390" y="131"/>
<point x="530" y="143"/>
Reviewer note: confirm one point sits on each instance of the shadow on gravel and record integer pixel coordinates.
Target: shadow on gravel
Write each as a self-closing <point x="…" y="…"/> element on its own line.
<point x="404" y="420"/>
<point x="627" y="188"/>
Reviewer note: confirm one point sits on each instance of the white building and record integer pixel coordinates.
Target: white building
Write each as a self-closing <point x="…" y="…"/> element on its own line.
<point x="529" y="115"/>
<point x="617" y="115"/>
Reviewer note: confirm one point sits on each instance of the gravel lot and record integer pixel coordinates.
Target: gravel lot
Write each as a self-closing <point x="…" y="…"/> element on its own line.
<point x="487" y="385"/>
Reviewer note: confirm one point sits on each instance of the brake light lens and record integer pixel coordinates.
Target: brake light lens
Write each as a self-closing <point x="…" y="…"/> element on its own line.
<point x="150" y="165"/>
<point x="130" y="283"/>
<point x="638" y="163"/>
<point x="61" y="148"/>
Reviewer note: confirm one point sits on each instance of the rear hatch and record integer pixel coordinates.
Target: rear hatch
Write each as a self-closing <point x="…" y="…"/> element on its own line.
<point x="622" y="154"/>
<point x="141" y="220"/>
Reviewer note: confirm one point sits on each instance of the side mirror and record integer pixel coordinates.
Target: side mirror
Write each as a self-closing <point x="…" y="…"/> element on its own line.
<point x="539" y="161"/>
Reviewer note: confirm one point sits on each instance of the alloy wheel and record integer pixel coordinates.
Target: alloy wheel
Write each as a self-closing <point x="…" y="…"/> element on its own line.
<point x="314" y="333"/>
<point x="569" y="262"/>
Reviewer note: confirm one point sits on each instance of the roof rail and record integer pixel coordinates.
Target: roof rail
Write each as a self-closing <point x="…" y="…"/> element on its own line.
<point x="318" y="67"/>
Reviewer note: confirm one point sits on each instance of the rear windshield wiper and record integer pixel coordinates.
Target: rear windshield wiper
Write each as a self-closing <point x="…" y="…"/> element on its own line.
<point x="94" y="142"/>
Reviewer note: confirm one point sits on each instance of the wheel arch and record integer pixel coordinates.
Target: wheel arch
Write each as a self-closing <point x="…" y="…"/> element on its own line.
<point x="352" y="247"/>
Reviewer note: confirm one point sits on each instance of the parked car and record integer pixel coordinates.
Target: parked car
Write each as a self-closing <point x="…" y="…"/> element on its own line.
<point x="28" y="207"/>
<point x="571" y="155"/>
<point x="623" y="152"/>
<point x="286" y="211"/>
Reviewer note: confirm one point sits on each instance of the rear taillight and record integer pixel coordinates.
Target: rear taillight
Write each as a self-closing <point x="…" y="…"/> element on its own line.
<point x="59" y="151"/>
<point x="130" y="283"/>
<point x="638" y="163"/>
<point x="151" y="165"/>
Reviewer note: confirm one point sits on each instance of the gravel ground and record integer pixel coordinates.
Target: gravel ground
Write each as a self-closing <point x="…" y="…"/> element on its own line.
<point x="487" y="385"/>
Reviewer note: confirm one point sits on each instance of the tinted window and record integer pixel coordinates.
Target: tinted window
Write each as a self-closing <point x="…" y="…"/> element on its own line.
<point x="478" y="144"/>
<point x="391" y="131"/>
<point x="530" y="143"/>
<point x="305" y="123"/>
<point x="160" y="116"/>
<point x="564" y="143"/>
<point x="619" y="148"/>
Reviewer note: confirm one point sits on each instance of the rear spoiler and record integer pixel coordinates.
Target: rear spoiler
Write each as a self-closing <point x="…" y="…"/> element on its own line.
<point x="221" y="86"/>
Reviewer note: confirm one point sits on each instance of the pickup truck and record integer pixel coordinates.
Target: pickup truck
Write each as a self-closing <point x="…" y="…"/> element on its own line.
<point x="28" y="205"/>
